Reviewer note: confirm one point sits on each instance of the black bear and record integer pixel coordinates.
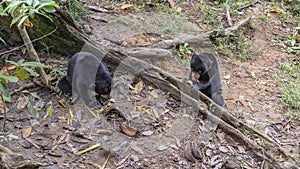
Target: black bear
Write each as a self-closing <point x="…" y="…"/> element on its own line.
<point x="205" y="73"/>
<point x="86" y="75"/>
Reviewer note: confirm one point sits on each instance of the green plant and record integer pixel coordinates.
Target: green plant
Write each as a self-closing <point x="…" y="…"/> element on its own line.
<point x="182" y="50"/>
<point x="23" y="71"/>
<point x="290" y="82"/>
<point x="2" y="40"/>
<point x="22" y="10"/>
<point x="209" y="14"/>
<point x="76" y="9"/>
<point x="237" y="46"/>
<point x="8" y="137"/>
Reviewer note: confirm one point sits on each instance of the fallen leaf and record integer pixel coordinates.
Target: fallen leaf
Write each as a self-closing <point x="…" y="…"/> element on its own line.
<point x="137" y="149"/>
<point x="11" y="67"/>
<point x="150" y="88"/>
<point x="172" y="3"/>
<point x="138" y="87"/>
<point x="104" y="131"/>
<point x="162" y="147"/>
<point x="26" y="132"/>
<point x="188" y="153"/>
<point x="126" y="6"/>
<point x="22" y="103"/>
<point x="4" y="71"/>
<point x="227" y="77"/>
<point x="63" y="103"/>
<point x="128" y="130"/>
<point x="148" y="112"/>
<point x="39" y="104"/>
<point x="147" y="133"/>
<point x="2" y="107"/>
<point x="195" y="151"/>
<point x="154" y="94"/>
<point x="223" y="149"/>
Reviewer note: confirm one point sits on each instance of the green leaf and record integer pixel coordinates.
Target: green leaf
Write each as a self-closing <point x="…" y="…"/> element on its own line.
<point x="16" y="19"/>
<point x="49" y="9"/>
<point x="47" y="3"/>
<point x="22" y="21"/>
<point x="2" y="13"/>
<point x="32" y="110"/>
<point x="5" y="93"/>
<point x="9" y="78"/>
<point x="32" y="72"/>
<point x="12" y="62"/>
<point x="46" y="16"/>
<point x="11" y="8"/>
<point x="35" y="3"/>
<point x="35" y="95"/>
<point x="33" y="64"/>
<point x="22" y="73"/>
<point x="32" y="12"/>
<point x="2" y="39"/>
<point x="12" y="137"/>
<point x="49" y="110"/>
<point x="29" y="2"/>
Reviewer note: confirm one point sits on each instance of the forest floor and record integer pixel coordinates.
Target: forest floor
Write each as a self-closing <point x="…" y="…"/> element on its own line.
<point x="168" y="130"/>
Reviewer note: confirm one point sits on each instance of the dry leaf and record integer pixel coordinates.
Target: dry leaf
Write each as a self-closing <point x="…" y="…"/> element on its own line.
<point x="128" y="130"/>
<point x="2" y="107"/>
<point x="104" y="131"/>
<point x="148" y="112"/>
<point x="39" y="104"/>
<point x="11" y="67"/>
<point x="22" y="103"/>
<point x="147" y="133"/>
<point x="138" y="87"/>
<point x="188" y="153"/>
<point x="150" y="88"/>
<point x="172" y="3"/>
<point x="126" y="6"/>
<point x="4" y="71"/>
<point x="63" y="103"/>
<point x="195" y="151"/>
<point x="154" y="94"/>
<point x="26" y="132"/>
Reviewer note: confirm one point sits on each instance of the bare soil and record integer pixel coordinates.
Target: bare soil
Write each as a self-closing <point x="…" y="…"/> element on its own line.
<point x="162" y="133"/>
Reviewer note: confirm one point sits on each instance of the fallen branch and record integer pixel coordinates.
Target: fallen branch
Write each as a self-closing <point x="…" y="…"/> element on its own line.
<point x="181" y="91"/>
<point x="228" y="16"/>
<point x="162" y="79"/>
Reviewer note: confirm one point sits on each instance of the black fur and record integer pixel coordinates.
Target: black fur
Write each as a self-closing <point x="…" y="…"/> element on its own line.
<point x="86" y="75"/>
<point x="209" y="82"/>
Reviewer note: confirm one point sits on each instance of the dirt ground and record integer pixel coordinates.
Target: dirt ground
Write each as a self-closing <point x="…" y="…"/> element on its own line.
<point x="170" y="134"/>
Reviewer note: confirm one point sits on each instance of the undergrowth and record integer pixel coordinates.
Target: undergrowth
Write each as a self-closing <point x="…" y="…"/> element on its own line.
<point x="233" y="46"/>
<point x="76" y="9"/>
<point x="290" y="81"/>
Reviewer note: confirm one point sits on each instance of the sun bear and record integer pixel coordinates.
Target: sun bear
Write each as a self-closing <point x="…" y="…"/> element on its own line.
<point x="86" y="75"/>
<point x="205" y="76"/>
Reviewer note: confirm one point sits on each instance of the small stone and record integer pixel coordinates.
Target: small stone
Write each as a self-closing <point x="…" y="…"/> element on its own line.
<point x="87" y="29"/>
<point x="24" y="143"/>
